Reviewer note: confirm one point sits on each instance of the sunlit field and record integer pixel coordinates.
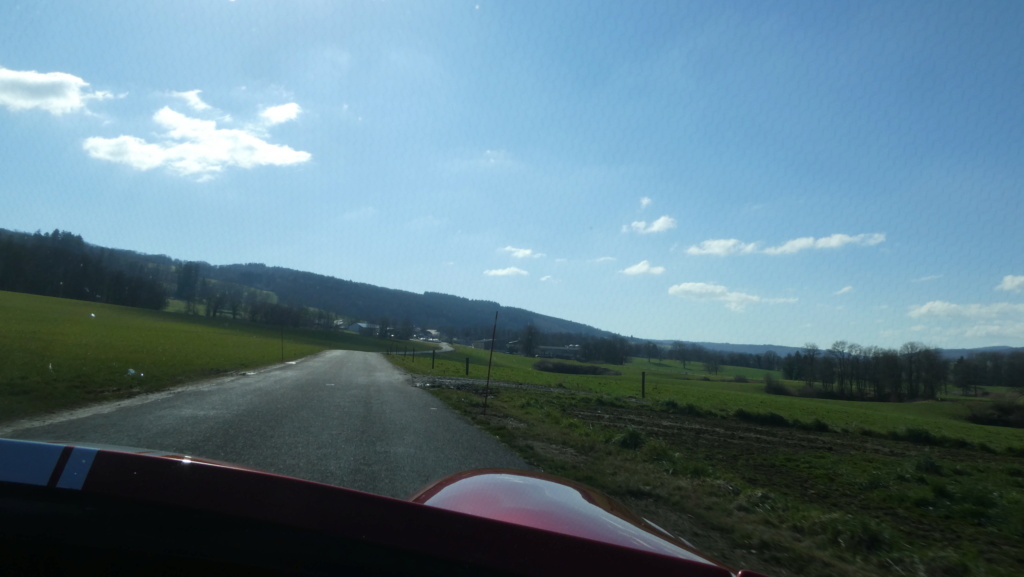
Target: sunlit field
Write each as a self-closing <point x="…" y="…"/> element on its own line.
<point x="779" y="484"/>
<point x="60" y="353"/>
<point x="723" y="393"/>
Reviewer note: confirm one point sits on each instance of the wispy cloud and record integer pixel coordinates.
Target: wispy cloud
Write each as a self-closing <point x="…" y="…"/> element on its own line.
<point x="510" y="271"/>
<point x="522" y="252"/>
<point x="55" y="92"/>
<point x="1011" y="283"/>
<point x="928" y="278"/>
<point x="722" y="247"/>
<point x="192" y="99"/>
<point x="834" y="241"/>
<point x="970" y="311"/>
<point x="489" y="160"/>
<point x="843" y="290"/>
<point x="283" y="113"/>
<point x="193" y="147"/>
<point x="732" y="246"/>
<point x="662" y="224"/>
<point x="734" y="300"/>
<point x="643" y="267"/>
<point x="645" y="202"/>
<point x="604" y="259"/>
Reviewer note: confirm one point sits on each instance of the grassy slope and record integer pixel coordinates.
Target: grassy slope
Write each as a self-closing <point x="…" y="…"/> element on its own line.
<point x="59" y="353"/>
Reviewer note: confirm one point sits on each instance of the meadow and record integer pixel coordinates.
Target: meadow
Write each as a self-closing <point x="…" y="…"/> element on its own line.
<point x="778" y="484"/>
<point x="725" y="393"/>
<point x="61" y="353"/>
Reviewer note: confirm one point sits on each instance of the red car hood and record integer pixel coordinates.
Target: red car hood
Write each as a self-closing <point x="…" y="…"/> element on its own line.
<point x="491" y="521"/>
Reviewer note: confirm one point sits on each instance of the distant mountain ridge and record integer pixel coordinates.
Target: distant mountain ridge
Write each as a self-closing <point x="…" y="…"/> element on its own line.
<point x="369" y="302"/>
<point x="349" y="299"/>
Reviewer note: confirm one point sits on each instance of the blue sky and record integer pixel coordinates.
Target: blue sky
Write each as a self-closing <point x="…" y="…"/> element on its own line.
<point x="743" y="172"/>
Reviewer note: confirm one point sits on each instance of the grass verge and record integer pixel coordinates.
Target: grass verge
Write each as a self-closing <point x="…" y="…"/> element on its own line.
<point x="757" y="490"/>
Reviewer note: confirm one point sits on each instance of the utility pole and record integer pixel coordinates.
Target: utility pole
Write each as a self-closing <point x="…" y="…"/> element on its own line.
<point x="490" y="358"/>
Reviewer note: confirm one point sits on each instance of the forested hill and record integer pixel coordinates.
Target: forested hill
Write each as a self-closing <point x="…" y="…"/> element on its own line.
<point x="62" y="264"/>
<point x="363" y="301"/>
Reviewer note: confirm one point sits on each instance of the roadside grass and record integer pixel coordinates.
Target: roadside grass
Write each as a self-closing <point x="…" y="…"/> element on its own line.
<point x="783" y="485"/>
<point x="721" y="394"/>
<point x="60" y="353"/>
<point x="780" y="501"/>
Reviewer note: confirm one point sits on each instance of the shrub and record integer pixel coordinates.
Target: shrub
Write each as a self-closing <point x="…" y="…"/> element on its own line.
<point x="816" y="425"/>
<point x="670" y="406"/>
<point x="1001" y="413"/>
<point x="740" y="379"/>
<point x="773" y="386"/>
<point x="572" y="369"/>
<point x="631" y="439"/>
<point x="767" y="419"/>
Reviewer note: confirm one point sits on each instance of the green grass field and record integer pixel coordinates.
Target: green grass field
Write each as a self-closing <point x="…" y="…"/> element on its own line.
<point x="60" y="353"/>
<point x="771" y="497"/>
<point x="668" y="380"/>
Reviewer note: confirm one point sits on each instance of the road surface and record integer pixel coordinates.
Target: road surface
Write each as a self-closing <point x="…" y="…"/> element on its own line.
<point x="345" y="418"/>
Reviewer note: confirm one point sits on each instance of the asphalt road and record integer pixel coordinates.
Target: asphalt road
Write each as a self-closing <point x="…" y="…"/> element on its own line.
<point x="340" y="417"/>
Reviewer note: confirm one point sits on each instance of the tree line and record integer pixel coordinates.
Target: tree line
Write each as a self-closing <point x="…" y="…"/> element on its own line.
<point x="59" y="264"/>
<point x="914" y="371"/>
<point x="616" y="349"/>
<point x="213" y="298"/>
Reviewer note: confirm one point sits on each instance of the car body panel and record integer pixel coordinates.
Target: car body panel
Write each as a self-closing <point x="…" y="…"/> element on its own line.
<point x="423" y="534"/>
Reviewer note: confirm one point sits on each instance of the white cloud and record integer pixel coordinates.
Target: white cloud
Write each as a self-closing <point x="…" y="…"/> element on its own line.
<point x="731" y="246"/>
<point x="283" y="113"/>
<point x="736" y="301"/>
<point x="971" y="311"/>
<point x="191" y="98"/>
<point x="55" y="92"/>
<point x="191" y="146"/>
<point x="522" y="252"/>
<point x="722" y="247"/>
<point x="545" y="278"/>
<point x="645" y="202"/>
<point x="843" y="290"/>
<point x="928" y="278"/>
<point x="604" y="259"/>
<point x="662" y="224"/>
<point x="510" y="271"/>
<point x="643" y="267"/>
<point x="1011" y="283"/>
<point x="989" y="321"/>
<point x="487" y="160"/>
<point x="834" y="241"/>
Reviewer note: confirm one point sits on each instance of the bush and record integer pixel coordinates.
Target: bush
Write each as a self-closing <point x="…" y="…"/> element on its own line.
<point x="1001" y="413"/>
<point x="767" y="419"/>
<point x="572" y="369"/>
<point x="740" y="379"/>
<point x="773" y="386"/>
<point x="631" y="439"/>
<point x="816" y="425"/>
<point x="670" y="406"/>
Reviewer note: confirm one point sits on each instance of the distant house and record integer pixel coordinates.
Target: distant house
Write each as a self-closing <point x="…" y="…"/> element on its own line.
<point x="570" y="352"/>
<point x="365" y="329"/>
<point x="484" y="344"/>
